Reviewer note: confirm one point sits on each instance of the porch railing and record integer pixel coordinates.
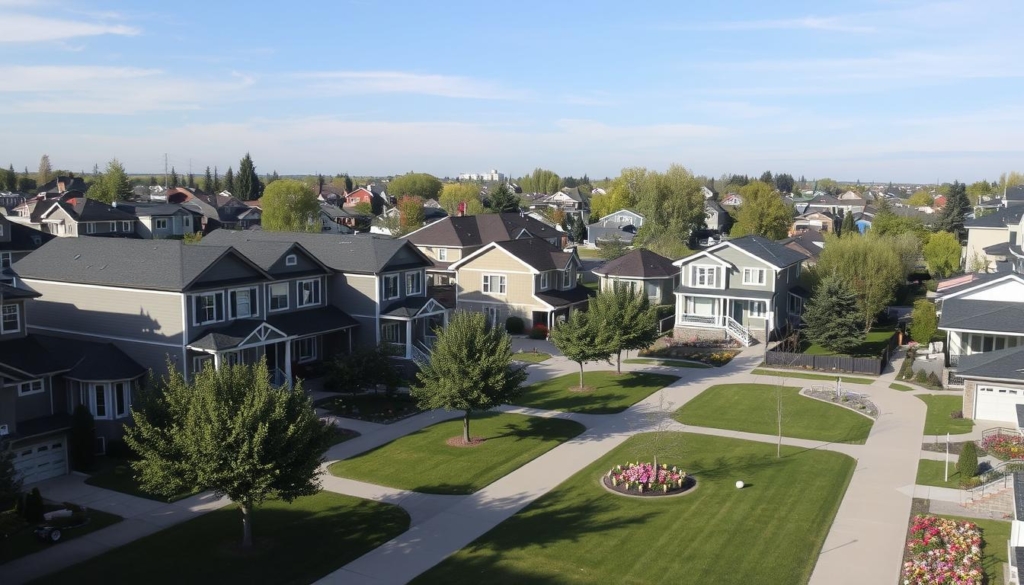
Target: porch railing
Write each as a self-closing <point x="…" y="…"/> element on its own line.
<point x="705" y="320"/>
<point x="953" y="380"/>
<point x="994" y="480"/>
<point x="278" y="378"/>
<point x="420" y="352"/>
<point x="737" y="331"/>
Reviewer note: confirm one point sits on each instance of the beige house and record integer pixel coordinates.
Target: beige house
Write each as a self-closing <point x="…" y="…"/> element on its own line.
<point x="527" y="278"/>
<point x="993" y="238"/>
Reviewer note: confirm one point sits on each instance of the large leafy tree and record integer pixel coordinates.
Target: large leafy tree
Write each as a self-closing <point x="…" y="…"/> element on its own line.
<point x="230" y="431"/>
<point x="290" y="206"/>
<point x="455" y="194"/>
<point x="942" y="253"/>
<point x="629" y="321"/>
<point x="470" y="369"/>
<point x="582" y="339"/>
<point x="503" y="200"/>
<point x="248" y="181"/>
<point x="45" y="170"/>
<point x="113" y="185"/>
<point x="924" y="321"/>
<point x="411" y="214"/>
<point x="763" y="212"/>
<point x="673" y="205"/>
<point x="832" y="317"/>
<point x="540" y="181"/>
<point x="419" y="185"/>
<point x="957" y="207"/>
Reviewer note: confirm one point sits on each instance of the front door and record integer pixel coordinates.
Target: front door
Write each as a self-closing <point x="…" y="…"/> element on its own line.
<point x="737" y="311"/>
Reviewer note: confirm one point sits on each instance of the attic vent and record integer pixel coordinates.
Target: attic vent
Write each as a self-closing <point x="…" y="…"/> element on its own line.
<point x="78" y="256"/>
<point x="291" y="260"/>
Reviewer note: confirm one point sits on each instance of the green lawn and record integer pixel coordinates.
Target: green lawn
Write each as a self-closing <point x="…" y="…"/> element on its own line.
<point x="873" y="344"/>
<point x="611" y="392"/>
<point x="530" y="357"/>
<point x="373" y="407"/>
<point x="667" y="362"/>
<point x="423" y="462"/>
<point x="994" y="534"/>
<point x="938" y="421"/>
<point x="117" y="475"/>
<point x="753" y="407"/>
<point x="769" y="532"/>
<point x="24" y="542"/>
<point x="932" y="473"/>
<point x="901" y="387"/>
<point x="294" y="543"/>
<point x="591" y="253"/>
<point x="806" y="376"/>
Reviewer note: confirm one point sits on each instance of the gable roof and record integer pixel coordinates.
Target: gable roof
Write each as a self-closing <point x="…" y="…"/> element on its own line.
<point x="975" y="315"/>
<point x="168" y="265"/>
<point x="267" y="253"/>
<point x="538" y="254"/>
<point x="155" y="209"/>
<point x="763" y="249"/>
<point x="81" y="208"/>
<point x="24" y="238"/>
<point x="1003" y="364"/>
<point x="1000" y="219"/>
<point x="477" y="230"/>
<point x="639" y="264"/>
<point x="1015" y="193"/>
<point x="365" y="254"/>
<point x="807" y="243"/>
<point x="953" y="287"/>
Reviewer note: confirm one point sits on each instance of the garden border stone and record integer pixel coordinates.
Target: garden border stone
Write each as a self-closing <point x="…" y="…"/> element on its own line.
<point x="653" y="495"/>
<point x="804" y="393"/>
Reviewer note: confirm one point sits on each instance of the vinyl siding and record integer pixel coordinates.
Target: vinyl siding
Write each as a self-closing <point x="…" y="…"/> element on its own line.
<point x="33" y="405"/>
<point x="8" y="410"/>
<point x="519" y="282"/>
<point x="452" y="255"/>
<point x="356" y="295"/>
<point x="303" y="263"/>
<point x="228" y="268"/>
<point x="739" y="261"/>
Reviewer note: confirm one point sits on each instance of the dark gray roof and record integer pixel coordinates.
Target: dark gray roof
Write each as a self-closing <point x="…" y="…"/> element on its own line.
<point x="24" y="238"/>
<point x="1020" y="416"/>
<point x="564" y="298"/>
<point x="26" y="358"/>
<point x="81" y="208"/>
<point x="367" y="254"/>
<point x="713" y="206"/>
<point x="405" y="308"/>
<point x="155" y="209"/>
<point x="1015" y="193"/>
<point x="11" y="293"/>
<point x="1000" y="249"/>
<point x="93" y="361"/>
<point x="805" y="243"/>
<point x="478" y="230"/>
<point x="42" y="425"/>
<point x="1004" y="364"/>
<point x="537" y="253"/>
<point x="639" y="264"/>
<point x="1002" y="218"/>
<point x="771" y="252"/>
<point x="735" y="293"/>
<point x="298" y="324"/>
<point x="149" y="264"/>
<point x="974" y="315"/>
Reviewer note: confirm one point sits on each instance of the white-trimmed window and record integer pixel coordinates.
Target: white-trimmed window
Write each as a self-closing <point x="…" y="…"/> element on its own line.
<point x="566" y="277"/>
<point x="757" y="309"/>
<point x="278" y="295"/>
<point x="704" y="277"/>
<point x="231" y="358"/>
<point x="201" y="361"/>
<point x="390" y="285"/>
<point x="291" y="260"/>
<point x="109" y="401"/>
<point x="413" y="283"/>
<point x="5" y="259"/>
<point x="98" y="403"/>
<point x="11" y="318"/>
<point x="126" y="226"/>
<point x="113" y="227"/>
<point x="305" y="349"/>
<point x="494" y="284"/>
<point x="442" y="254"/>
<point x="309" y="292"/>
<point x="544" y="281"/>
<point x="493" y="314"/>
<point x="122" y="398"/>
<point x="186" y="221"/>
<point x="207" y="308"/>
<point x="160" y="223"/>
<point x="90" y="228"/>
<point x="391" y="332"/>
<point x="754" y="276"/>
<point x="242" y="303"/>
<point x="30" y="387"/>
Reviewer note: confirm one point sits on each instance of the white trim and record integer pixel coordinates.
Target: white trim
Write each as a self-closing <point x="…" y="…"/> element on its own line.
<point x="1006" y="333"/>
<point x="983" y="285"/>
<point x="442" y="254"/>
<point x="17" y="311"/>
<point x="545" y="280"/>
<point x="104" y="287"/>
<point x="291" y="260"/>
<point x="195" y="312"/>
<point x="270" y="296"/>
<point x="398" y="286"/>
<point x="491" y="270"/>
<point x="716" y="278"/>
<point x="492" y="246"/>
<point x="704" y="254"/>
<point x="29" y="383"/>
<point x="486" y="285"/>
<point x="254" y="308"/>
<point x="419" y="292"/>
<point x="319" y="289"/>
<point x="104" y="336"/>
<point x="156" y="223"/>
<point x="762" y="276"/>
<point x="758" y="258"/>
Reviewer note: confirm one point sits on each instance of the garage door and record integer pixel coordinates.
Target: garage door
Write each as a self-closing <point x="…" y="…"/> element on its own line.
<point x="998" y="403"/>
<point x="41" y="460"/>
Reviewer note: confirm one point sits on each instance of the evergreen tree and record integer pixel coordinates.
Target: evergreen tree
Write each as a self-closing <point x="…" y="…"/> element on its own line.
<point x="114" y="185"/>
<point x="849" y="227"/>
<point x="958" y="205"/>
<point x="216" y="181"/>
<point x="629" y="321"/>
<point x="229" y="181"/>
<point x="582" y="339"/>
<point x="766" y="177"/>
<point x="231" y="431"/>
<point x="10" y="484"/>
<point x="11" y="179"/>
<point x="503" y="200"/>
<point x="248" y="181"/>
<point x="207" y="184"/>
<point x="470" y="369"/>
<point x="832" y="317"/>
<point x="191" y="181"/>
<point x="152" y="181"/>
<point x="44" y="170"/>
<point x="174" y="178"/>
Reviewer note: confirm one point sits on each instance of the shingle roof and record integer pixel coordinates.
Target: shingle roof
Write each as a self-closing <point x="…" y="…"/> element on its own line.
<point x="805" y="243"/>
<point x="92" y="361"/>
<point x="84" y="209"/>
<point x="1000" y="249"/>
<point x="478" y="230"/>
<point x="154" y="209"/>
<point x="367" y="254"/>
<point x="537" y="253"/>
<point x="771" y="252"/>
<point x="407" y="307"/>
<point x="149" y="264"/>
<point x="958" y="283"/>
<point x="975" y="315"/>
<point x="10" y="293"/>
<point x="1003" y="364"/>
<point x="562" y="298"/>
<point x="1015" y="193"/>
<point x="298" y="324"/>
<point x="1002" y="218"/>
<point x="25" y="238"/>
<point x="639" y="264"/>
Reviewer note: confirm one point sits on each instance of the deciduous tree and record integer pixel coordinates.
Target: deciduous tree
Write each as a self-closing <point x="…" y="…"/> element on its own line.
<point x="411" y="214"/>
<point x="419" y="185"/>
<point x="613" y="248"/>
<point x="832" y="318"/>
<point x="454" y="194"/>
<point x="582" y="339"/>
<point x="629" y="320"/>
<point x="920" y="198"/>
<point x="942" y="253"/>
<point x="763" y="213"/>
<point x="45" y="171"/>
<point x="924" y="322"/>
<point x="540" y="181"/>
<point x="470" y="369"/>
<point x="113" y="185"/>
<point x="872" y="266"/>
<point x="290" y="206"/>
<point x="229" y="430"/>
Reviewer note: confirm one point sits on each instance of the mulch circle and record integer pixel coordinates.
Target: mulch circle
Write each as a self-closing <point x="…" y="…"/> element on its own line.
<point x="460" y="442"/>
<point x="689" y="485"/>
<point x="581" y="389"/>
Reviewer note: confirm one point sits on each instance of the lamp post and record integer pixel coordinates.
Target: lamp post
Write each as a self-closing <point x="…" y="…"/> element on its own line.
<point x="946" y="469"/>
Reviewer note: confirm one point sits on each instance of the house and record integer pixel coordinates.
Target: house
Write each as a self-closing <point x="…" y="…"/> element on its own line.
<point x="43" y="378"/>
<point x="527" y="278"/>
<point x="747" y="289"/>
<point x="849" y="195"/>
<point x="222" y="210"/>
<point x="707" y="192"/>
<point x="622" y="225"/>
<point x="834" y="205"/>
<point x="1013" y="196"/>
<point x="453" y="238"/>
<point x="642" y="271"/>
<point x="372" y="194"/>
<point x="819" y="221"/>
<point x="991" y="237"/>
<point x="716" y="218"/>
<point x="810" y="243"/>
<point x="76" y="215"/>
<point x="570" y="200"/>
<point x="60" y="185"/>
<point x="993" y="384"/>
<point x="10" y="200"/>
<point x="383" y="223"/>
<point x="732" y="200"/>
<point x="157" y="221"/>
<point x="336" y="220"/>
<point x="17" y="240"/>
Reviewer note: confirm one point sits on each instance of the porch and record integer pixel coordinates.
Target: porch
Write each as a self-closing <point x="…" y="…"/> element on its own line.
<point x="408" y="327"/>
<point x="743" y="319"/>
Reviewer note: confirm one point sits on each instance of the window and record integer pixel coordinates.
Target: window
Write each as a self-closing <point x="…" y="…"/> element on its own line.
<point x="278" y="296"/>
<point x="231" y="358"/>
<point x="544" y="281"/>
<point x="309" y="292"/>
<point x="493" y="314"/>
<point x="126" y="226"/>
<point x="305" y="349"/>
<point x="122" y="399"/>
<point x="5" y="259"/>
<point x="90" y="228"/>
<point x="11" y="321"/>
<point x="187" y="221"/>
<point x="652" y="290"/>
<point x="160" y="223"/>
<point x="30" y="387"/>
<point x="391" y="332"/>
<point x="113" y="227"/>
<point x="757" y="309"/>
<point x="413" y="283"/>
<point x="291" y="260"/>
<point x="242" y="303"/>
<point x="99" y="400"/>
<point x="753" y="276"/>
<point x="207" y="308"/>
<point x="109" y="401"/>
<point x="704" y="276"/>
<point x="390" y="286"/>
<point x="442" y="254"/>
<point x="201" y="361"/>
<point x="494" y="284"/>
<point x="566" y="278"/>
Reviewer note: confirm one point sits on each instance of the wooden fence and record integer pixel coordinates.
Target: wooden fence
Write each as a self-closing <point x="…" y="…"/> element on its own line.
<point x="874" y="366"/>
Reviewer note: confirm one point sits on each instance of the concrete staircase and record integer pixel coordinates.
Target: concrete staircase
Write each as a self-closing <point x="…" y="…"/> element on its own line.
<point x="996" y="502"/>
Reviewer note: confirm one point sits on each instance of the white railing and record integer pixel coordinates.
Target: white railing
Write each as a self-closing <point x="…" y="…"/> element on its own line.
<point x="706" y="320"/>
<point x="420" y="354"/>
<point x="737" y="331"/>
<point x="277" y="378"/>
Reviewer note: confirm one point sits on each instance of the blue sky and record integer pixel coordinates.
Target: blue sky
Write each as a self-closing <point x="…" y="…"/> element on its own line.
<point x="876" y="91"/>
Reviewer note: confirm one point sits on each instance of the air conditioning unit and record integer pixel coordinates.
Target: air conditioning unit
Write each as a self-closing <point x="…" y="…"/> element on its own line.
<point x="4" y="431"/>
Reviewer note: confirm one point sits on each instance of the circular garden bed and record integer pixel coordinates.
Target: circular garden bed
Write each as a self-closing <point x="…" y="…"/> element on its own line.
<point x="644" y="480"/>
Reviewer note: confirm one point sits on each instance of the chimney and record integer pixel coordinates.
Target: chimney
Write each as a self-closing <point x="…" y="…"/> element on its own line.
<point x="61" y="187"/>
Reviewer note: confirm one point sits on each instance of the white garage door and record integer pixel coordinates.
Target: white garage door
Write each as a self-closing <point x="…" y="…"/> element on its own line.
<point x="41" y="460"/>
<point x="998" y="403"/>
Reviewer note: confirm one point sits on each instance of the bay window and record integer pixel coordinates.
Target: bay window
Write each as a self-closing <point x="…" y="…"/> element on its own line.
<point x="108" y="401"/>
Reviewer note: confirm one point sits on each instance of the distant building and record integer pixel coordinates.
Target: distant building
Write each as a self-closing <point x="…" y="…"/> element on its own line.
<point x="493" y="175"/>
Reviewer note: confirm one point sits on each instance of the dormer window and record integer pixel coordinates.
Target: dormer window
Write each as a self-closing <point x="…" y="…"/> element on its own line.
<point x="566" y="278"/>
<point x="10" y="319"/>
<point x="291" y="260"/>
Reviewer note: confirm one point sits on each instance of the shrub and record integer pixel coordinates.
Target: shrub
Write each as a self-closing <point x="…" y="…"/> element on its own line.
<point x="933" y="379"/>
<point x="921" y="377"/>
<point x="83" y="439"/>
<point x="967" y="464"/>
<point x="956" y="414"/>
<point x="118" y="449"/>
<point x="514" y="325"/>
<point x="539" y="332"/>
<point x="925" y="323"/>
<point x="34" y="507"/>
<point x="363" y="368"/>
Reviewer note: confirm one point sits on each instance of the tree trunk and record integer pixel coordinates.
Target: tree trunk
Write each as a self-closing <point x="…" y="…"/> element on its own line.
<point x="618" y="362"/>
<point x="581" y="376"/>
<point x="246" y="525"/>
<point x="465" y="428"/>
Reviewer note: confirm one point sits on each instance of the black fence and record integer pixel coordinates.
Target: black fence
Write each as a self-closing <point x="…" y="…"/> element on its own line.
<point x="833" y="363"/>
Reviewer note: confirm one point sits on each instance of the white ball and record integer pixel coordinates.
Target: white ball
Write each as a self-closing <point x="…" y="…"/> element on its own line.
<point x="739" y="485"/>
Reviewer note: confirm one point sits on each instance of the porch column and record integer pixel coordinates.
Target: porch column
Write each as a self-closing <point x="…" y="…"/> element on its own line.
<point x="350" y="341"/>
<point x="408" y="340"/>
<point x="288" y="363"/>
<point x="444" y="319"/>
<point x="216" y="360"/>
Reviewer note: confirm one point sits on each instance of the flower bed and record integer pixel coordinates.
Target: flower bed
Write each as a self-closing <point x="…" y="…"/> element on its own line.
<point x="643" y="479"/>
<point x="1004" y="447"/>
<point x="943" y="552"/>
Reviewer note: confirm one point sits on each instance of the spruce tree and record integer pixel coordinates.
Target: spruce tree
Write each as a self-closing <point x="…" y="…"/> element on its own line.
<point x="958" y="205"/>
<point x="248" y="181"/>
<point x="216" y="181"/>
<point x="229" y="181"/>
<point x="849" y="228"/>
<point x="208" y="181"/>
<point x="503" y="200"/>
<point x="832" y="318"/>
<point x="174" y="178"/>
<point x="582" y="339"/>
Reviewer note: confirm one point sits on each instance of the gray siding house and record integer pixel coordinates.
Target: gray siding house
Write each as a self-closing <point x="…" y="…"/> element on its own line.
<point x="641" y="270"/>
<point x="621" y="225"/>
<point x="747" y="289"/>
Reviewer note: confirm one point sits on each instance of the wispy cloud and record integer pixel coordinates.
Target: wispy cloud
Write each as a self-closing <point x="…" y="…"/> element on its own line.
<point x="370" y="82"/>
<point x="815" y="23"/>
<point x="28" y="28"/>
